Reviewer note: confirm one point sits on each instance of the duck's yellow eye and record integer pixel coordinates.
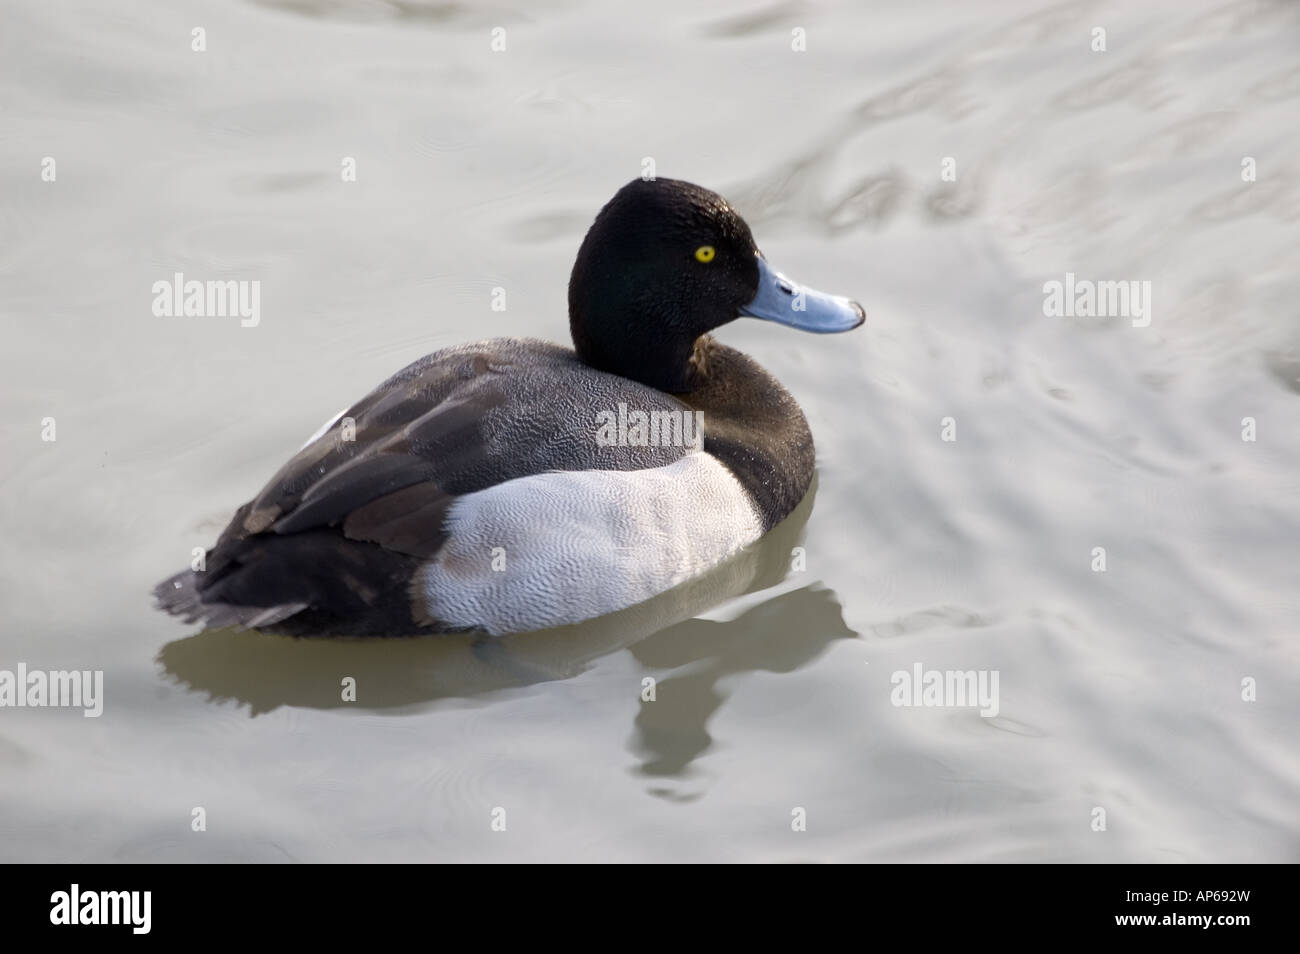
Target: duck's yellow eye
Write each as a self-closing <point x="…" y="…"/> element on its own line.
<point x="705" y="253"/>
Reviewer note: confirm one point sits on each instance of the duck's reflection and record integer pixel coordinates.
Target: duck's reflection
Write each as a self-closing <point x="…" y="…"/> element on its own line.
<point x="779" y="635"/>
<point x="265" y="671"/>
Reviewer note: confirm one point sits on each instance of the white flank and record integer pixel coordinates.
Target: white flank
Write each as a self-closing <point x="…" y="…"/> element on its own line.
<point x="572" y="545"/>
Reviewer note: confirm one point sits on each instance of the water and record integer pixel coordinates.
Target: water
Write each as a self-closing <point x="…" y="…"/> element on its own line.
<point x="1119" y="690"/>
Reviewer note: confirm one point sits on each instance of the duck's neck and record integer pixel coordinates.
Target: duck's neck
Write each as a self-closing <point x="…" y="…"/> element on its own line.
<point x="672" y="365"/>
<point x="754" y="426"/>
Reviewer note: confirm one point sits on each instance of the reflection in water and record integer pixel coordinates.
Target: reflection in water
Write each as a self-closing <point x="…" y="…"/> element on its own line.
<point x="266" y="671"/>
<point x="780" y="635"/>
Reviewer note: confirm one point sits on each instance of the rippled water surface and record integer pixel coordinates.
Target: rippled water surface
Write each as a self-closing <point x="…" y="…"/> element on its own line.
<point x="1120" y="690"/>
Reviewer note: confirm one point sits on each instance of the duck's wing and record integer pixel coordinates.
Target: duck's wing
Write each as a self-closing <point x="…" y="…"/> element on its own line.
<point x="338" y="532"/>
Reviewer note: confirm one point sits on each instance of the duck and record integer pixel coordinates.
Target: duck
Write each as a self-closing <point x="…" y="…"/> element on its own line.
<point x="512" y="484"/>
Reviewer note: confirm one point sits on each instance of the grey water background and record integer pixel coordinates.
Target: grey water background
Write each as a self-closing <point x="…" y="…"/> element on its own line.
<point x="475" y="170"/>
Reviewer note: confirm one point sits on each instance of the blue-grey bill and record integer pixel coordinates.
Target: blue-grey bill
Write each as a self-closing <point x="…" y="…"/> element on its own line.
<point x="785" y="301"/>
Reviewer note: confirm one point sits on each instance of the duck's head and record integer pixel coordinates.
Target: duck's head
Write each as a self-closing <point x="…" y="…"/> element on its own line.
<point x="666" y="262"/>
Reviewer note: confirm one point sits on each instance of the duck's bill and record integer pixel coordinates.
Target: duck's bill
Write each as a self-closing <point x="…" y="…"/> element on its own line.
<point x="782" y="300"/>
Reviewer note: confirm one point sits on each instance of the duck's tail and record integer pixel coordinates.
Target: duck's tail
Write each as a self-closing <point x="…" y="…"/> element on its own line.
<point x="179" y="595"/>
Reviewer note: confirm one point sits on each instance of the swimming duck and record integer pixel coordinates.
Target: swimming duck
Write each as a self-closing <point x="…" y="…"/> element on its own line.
<point x="513" y="484"/>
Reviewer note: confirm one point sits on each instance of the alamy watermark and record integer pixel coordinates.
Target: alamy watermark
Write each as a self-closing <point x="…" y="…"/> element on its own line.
<point x="946" y="688"/>
<point x="658" y="428"/>
<point x="1083" y="298"/>
<point x="54" y="688"/>
<point x="76" y="906"/>
<point x="211" y="299"/>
